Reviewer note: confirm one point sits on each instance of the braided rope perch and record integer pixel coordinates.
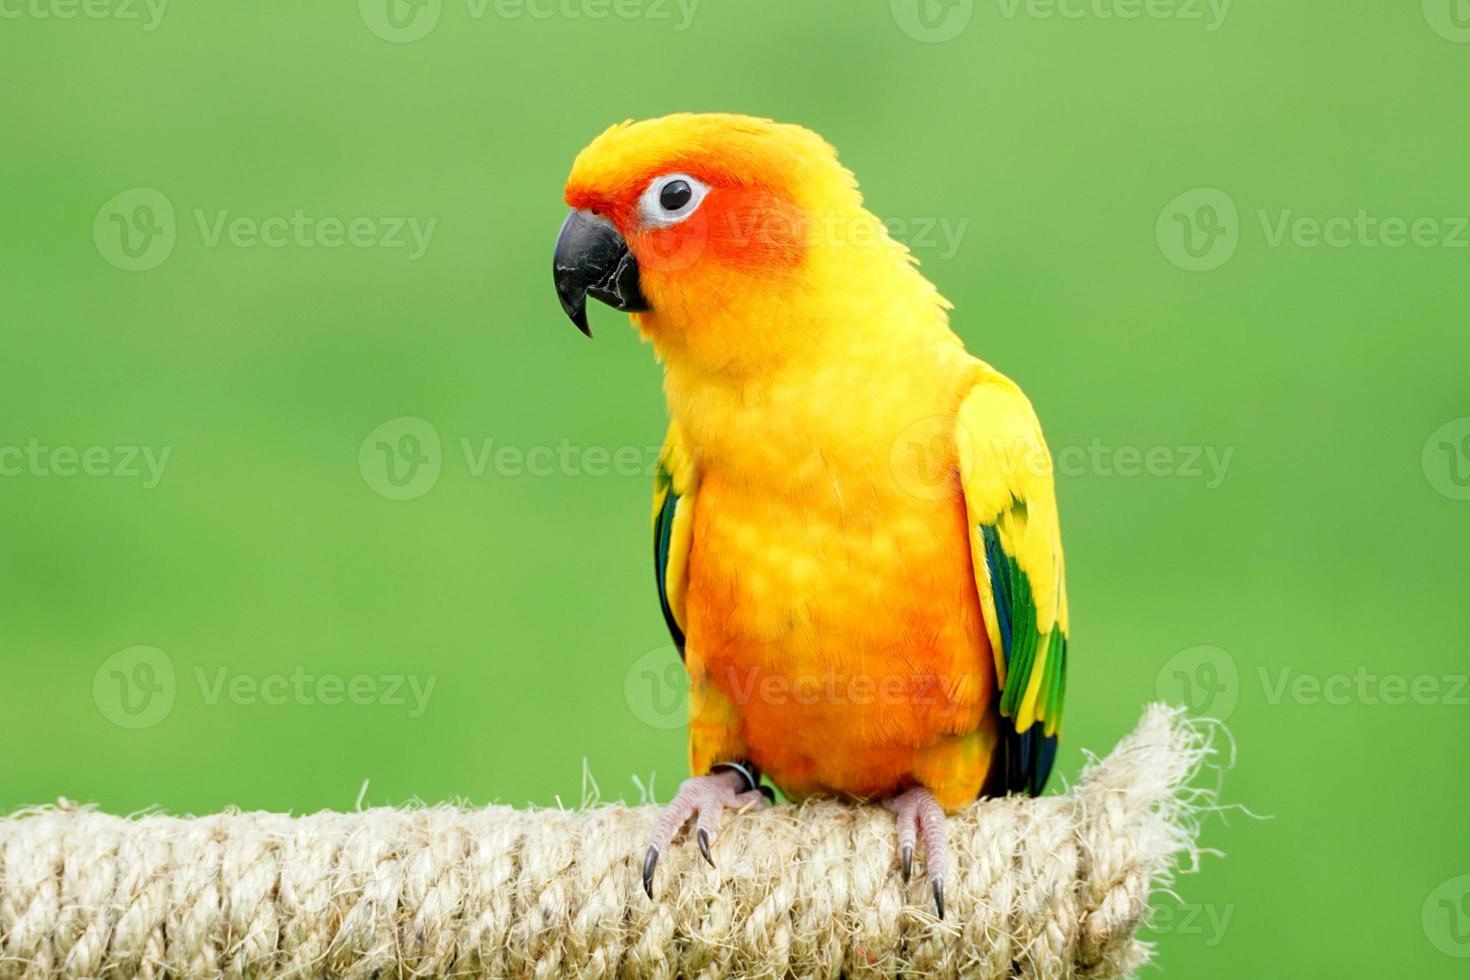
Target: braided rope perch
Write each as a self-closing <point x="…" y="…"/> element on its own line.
<point x="1052" y="887"/>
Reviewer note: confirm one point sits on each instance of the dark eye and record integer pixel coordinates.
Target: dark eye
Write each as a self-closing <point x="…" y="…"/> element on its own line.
<point x="668" y="199"/>
<point x="675" y="194"/>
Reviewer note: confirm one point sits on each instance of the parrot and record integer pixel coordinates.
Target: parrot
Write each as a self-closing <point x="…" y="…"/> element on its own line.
<point x="855" y="532"/>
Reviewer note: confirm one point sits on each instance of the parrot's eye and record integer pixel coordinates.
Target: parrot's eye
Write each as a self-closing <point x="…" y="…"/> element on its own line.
<point x="671" y="199"/>
<point x="675" y="194"/>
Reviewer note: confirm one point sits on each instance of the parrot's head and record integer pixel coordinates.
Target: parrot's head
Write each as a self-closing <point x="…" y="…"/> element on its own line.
<point x="731" y="240"/>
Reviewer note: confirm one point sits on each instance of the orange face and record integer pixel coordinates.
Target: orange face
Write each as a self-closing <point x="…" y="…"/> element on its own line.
<point x="679" y="215"/>
<point x="714" y="213"/>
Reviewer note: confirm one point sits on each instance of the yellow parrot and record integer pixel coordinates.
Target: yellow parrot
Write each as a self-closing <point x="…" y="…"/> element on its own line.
<point x="855" y="531"/>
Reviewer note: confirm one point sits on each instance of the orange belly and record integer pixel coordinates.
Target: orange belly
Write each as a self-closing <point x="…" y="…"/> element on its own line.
<point x="849" y="639"/>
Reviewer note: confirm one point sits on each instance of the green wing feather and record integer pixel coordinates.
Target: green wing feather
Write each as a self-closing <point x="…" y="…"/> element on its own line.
<point x="1019" y="570"/>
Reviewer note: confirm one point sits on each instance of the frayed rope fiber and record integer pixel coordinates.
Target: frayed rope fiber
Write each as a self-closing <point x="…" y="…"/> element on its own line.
<point x="1051" y="887"/>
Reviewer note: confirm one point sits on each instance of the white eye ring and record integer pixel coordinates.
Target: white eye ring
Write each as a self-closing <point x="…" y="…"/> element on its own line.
<point x="651" y="204"/>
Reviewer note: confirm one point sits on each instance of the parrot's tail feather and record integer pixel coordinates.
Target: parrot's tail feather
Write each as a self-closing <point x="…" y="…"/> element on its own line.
<point x="1026" y="761"/>
<point x="1057" y="886"/>
<point x="1046" y="757"/>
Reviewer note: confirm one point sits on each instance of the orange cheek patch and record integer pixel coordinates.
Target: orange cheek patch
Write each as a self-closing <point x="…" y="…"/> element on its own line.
<point x="736" y="229"/>
<point x="755" y="230"/>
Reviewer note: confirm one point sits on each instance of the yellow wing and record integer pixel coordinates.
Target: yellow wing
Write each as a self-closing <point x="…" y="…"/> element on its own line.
<point x="673" y="525"/>
<point x="1016" y="546"/>
<point x="714" y="720"/>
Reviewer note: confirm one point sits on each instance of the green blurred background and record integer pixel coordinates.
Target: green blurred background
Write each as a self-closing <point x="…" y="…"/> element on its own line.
<point x="1045" y="169"/>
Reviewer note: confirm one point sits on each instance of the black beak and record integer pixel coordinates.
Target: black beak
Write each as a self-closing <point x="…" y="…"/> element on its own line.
<point x="592" y="259"/>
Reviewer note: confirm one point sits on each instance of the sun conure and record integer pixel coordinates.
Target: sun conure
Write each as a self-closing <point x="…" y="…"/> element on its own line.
<point x="855" y="530"/>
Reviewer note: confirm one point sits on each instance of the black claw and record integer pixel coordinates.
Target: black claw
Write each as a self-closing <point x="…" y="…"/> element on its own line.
<point x="906" y="861"/>
<point x="938" y="884"/>
<point x="703" y="839"/>
<point x="650" y="861"/>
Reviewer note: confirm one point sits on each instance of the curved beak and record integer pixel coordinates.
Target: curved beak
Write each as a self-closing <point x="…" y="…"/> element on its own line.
<point x="591" y="259"/>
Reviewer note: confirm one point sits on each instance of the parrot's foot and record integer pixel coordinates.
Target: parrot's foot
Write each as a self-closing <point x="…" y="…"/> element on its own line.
<point x="921" y="816"/>
<point x="704" y="798"/>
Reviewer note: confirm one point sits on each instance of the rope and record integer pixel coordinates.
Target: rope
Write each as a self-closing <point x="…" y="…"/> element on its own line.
<point x="1052" y="887"/>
